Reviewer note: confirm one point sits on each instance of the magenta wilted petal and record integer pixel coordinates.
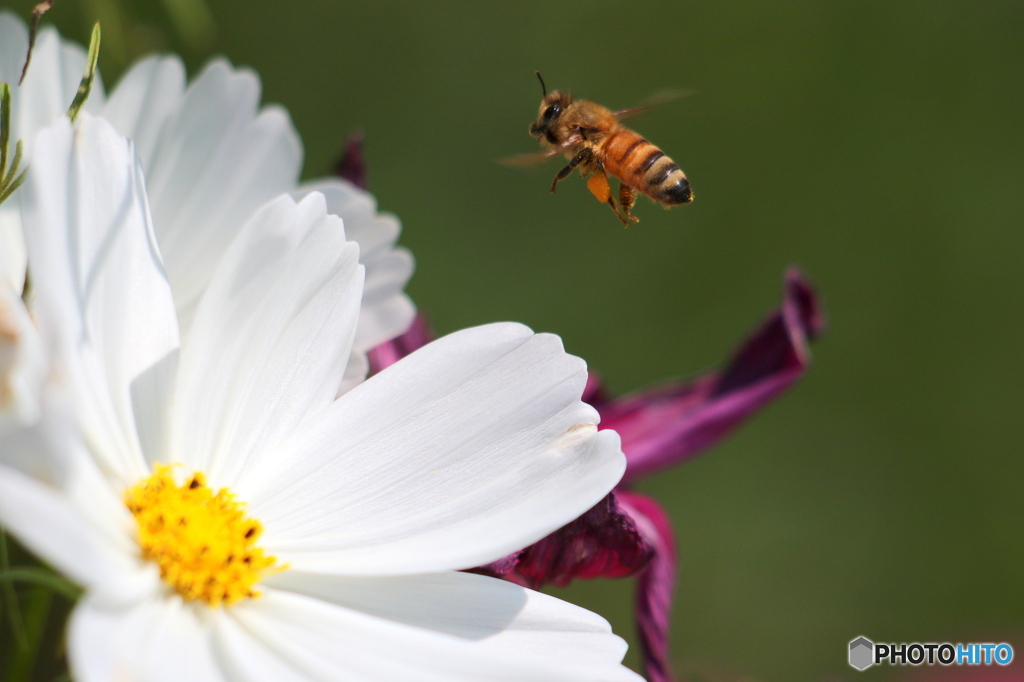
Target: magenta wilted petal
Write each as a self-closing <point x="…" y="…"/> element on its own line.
<point x="593" y="391"/>
<point x="388" y="353"/>
<point x="603" y="543"/>
<point x="670" y="423"/>
<point x="351" y="165"/>
<point x="502" y="568"/>
<point x="655" y="586"/>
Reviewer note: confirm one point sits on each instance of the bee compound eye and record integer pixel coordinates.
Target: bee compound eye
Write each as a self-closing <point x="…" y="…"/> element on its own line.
<point x="551" y="112"/>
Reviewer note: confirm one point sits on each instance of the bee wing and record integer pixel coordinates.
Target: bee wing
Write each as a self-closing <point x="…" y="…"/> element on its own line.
<point x="530" y="159"/>
<point x="653" y="102"/>
<point x="534" y="158"/>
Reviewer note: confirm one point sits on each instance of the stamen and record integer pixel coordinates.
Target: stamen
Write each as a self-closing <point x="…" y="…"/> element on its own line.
<point x="202" y="541"/>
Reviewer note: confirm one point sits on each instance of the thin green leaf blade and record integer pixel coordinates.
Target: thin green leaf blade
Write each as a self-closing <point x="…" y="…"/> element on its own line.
<point x="85" y="86"/>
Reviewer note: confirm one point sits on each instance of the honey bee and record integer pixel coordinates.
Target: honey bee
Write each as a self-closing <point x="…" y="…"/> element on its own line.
<point x="595" y="142"/>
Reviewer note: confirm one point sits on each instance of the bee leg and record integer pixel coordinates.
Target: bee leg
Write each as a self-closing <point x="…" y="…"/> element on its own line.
<point x="602" y="191"/>
<point x="584" y="156"/>
<point x="615" y="210"/>
<point x="627" y="197"/>
<point x="562" y="175"/>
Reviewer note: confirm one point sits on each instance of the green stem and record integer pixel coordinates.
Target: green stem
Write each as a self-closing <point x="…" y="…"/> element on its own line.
<point x="37" y="14"/>
<point x="10" y="597"/>
<point x="41" y="577"/>
<point x="36" y="612"/>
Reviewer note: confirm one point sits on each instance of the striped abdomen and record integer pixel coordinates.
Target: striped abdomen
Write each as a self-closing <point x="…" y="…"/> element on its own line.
<point x="640" y="164"/>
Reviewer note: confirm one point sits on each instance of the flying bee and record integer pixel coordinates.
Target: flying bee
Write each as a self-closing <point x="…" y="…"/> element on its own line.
<point x="595" y="142"/>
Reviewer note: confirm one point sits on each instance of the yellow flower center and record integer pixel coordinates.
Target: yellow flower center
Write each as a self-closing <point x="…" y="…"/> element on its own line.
<point x="202" y="541"/>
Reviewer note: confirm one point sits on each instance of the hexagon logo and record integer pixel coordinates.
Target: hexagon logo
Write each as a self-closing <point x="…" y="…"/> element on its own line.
<point x="862" y="653"/>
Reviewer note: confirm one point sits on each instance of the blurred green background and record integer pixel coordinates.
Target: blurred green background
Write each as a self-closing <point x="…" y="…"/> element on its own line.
<point x="878" y="145"/>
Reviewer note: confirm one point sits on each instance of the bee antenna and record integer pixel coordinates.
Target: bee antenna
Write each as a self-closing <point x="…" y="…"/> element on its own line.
<point x="543" y="87"/>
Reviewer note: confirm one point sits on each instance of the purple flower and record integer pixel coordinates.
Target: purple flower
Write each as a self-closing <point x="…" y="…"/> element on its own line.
<point x="418" y="335"/>
<point x="628" y="533"/>
<point x="656" y="584"/>
<point x="351" y="166"/>
<point x="670" y="423"/>
<point x="606" y="542"/>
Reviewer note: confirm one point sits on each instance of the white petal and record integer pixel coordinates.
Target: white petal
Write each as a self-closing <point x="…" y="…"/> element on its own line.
<point x="52" y="526"/>
<point x="453" y="630"/>
<point x="100" y="286"/>
<point x="468" y="449"/>
<point x="386" y="311"/>
<point x="356" y="369"/>
<point x="144" y="100"/>
<point x="40" y="447"/>
<point x="244" y="657"/>
<point x="374" y="232"/>
<point x="13" y="44"/>
<point x="22" y="359"/>
<point x="158" y="640"/>
<point x="469" y="606"/>
<point x="218" y="159"/>
<point x="12" y="242"/>
<point x="270" y="340"/>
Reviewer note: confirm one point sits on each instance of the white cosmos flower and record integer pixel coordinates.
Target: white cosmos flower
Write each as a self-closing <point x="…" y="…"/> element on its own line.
<point x="211" y="157"/>
<point x="346" y="518"/>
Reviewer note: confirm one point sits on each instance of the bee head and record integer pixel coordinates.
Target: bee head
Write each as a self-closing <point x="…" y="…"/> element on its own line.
<point x="551" y="108"/>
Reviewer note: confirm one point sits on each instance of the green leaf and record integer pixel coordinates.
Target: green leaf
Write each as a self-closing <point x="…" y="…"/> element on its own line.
<point x="5" y="125"/>
<point x="85" y="86"/>
<point x="10" y="189"/>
